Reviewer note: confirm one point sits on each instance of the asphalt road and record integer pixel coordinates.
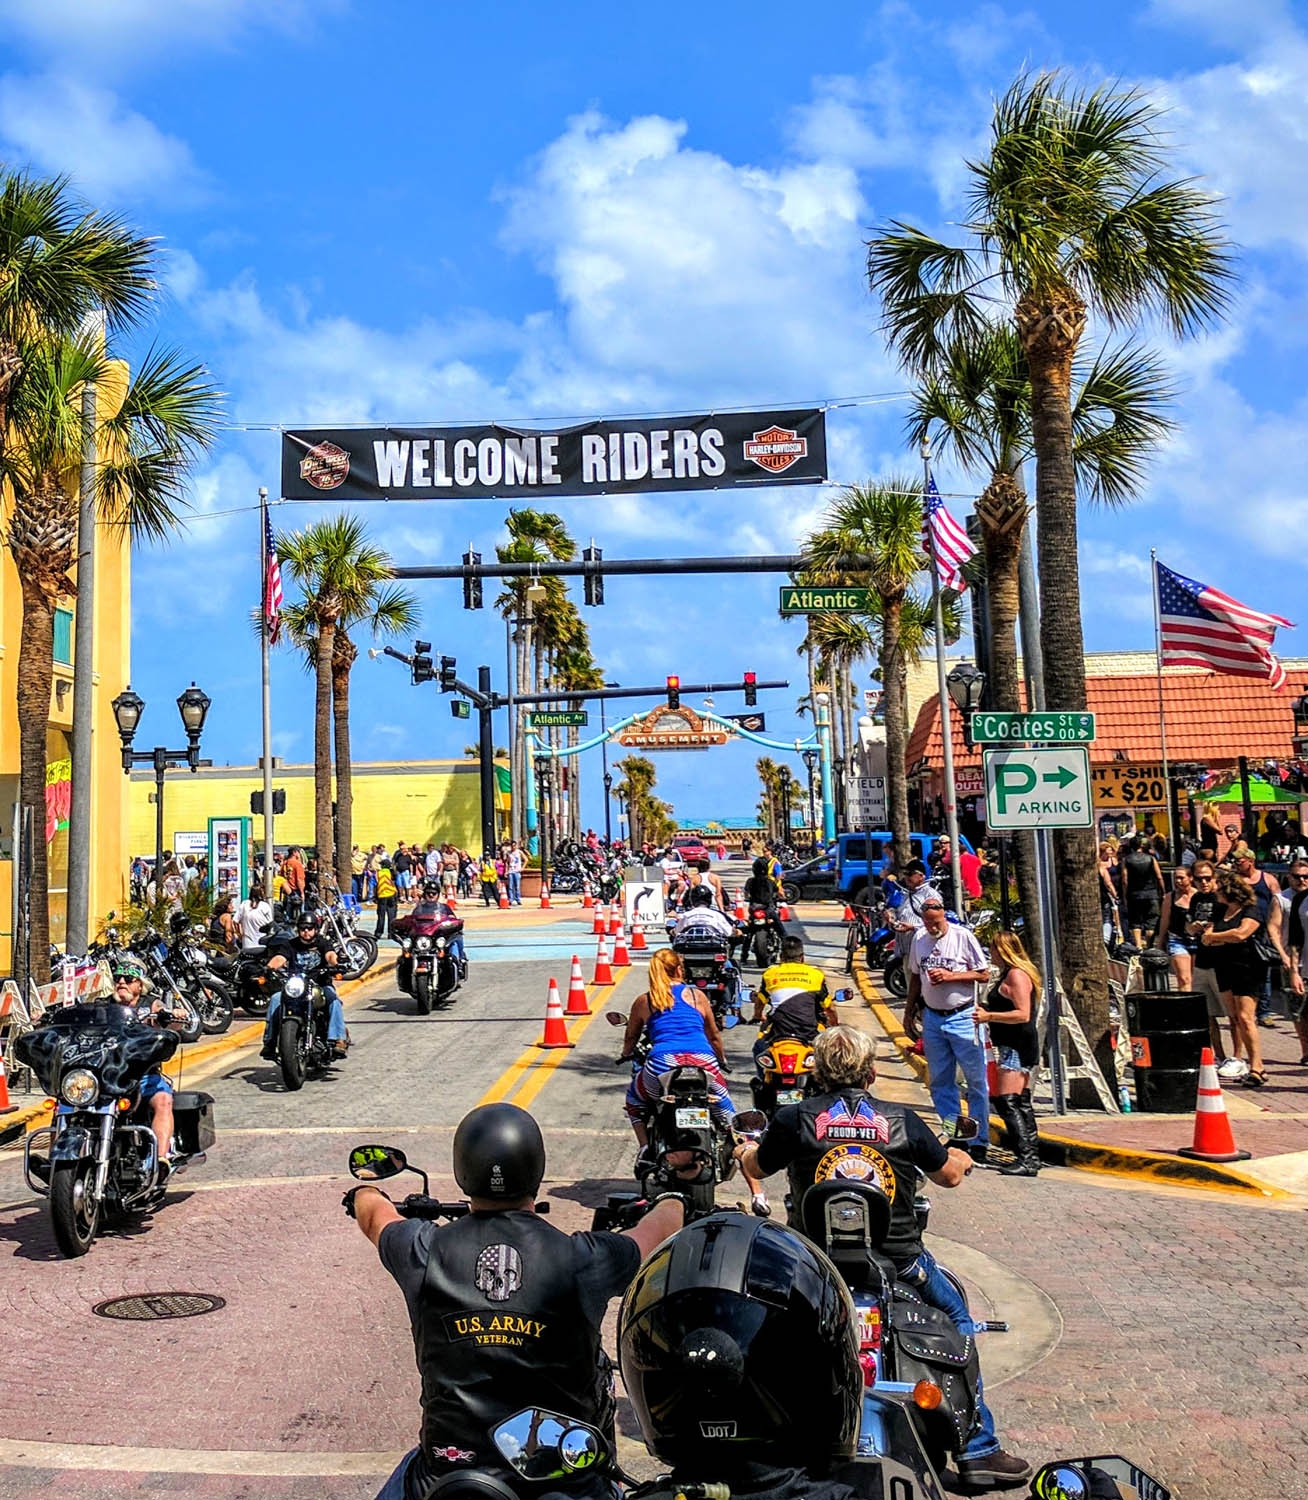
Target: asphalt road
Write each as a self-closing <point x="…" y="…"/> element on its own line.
<point x="1166" y="1325"/>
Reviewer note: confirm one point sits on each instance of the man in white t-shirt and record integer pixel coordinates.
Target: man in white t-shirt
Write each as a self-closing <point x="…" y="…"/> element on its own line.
<point x="945" y="965"/>
<point x="253" y="918"/>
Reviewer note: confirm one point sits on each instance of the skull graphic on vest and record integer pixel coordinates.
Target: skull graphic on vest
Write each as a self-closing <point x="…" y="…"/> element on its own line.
<point x="499" y="1272"/>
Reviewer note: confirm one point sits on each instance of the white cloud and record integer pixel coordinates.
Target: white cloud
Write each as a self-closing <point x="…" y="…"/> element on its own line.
<point x="112" y="153"/>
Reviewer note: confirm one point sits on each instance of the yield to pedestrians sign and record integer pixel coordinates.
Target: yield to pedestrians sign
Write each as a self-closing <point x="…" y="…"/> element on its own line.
<point x="1038" y="789"/>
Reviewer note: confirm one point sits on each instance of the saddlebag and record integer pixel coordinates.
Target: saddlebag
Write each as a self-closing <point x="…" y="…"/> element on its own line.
<point x="193" y="1121"/>
<point x="929" y="1347"/>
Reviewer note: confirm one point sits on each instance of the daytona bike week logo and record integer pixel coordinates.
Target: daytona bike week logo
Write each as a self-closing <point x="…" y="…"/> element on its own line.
<point x="857" y="1164"/>
<point x="325" y="466"/>
<point x="776" y="449"/>
<point x="840" y="1124"/>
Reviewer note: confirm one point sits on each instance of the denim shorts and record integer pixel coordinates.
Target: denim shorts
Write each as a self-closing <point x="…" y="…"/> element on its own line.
<point x="154" y="1083"/>
<point x="1007" y="1059"/>
<point x="1175" y="946"/>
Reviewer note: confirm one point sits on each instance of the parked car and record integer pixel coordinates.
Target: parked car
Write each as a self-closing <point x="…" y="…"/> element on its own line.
<point x="691" y="847"/>
<point x="852" y="865"/>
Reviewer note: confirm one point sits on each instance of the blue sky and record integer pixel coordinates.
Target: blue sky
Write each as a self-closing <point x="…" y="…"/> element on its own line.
<point x="401" y="211"/>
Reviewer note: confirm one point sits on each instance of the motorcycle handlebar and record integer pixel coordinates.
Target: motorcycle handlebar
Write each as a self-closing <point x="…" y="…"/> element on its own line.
<point x="423" y="1206"/>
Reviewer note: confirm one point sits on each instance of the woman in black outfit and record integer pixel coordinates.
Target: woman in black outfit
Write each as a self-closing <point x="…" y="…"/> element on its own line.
<point x="1010" y="1012"/>
<point x="1173" y="925"/>
<point x="1142" y="885"/>
<point x="1240" y="969"/>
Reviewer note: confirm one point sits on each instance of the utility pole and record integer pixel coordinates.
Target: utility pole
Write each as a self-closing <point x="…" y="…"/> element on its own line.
<point x="485" y="709"/>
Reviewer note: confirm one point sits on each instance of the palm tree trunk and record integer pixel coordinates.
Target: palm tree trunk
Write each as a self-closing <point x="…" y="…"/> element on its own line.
<point x="896" y="727"/>
<point x="1049" y="331"/>
<point x="847" y="713"/>
<point x="322" y="747"/>
<point x="1002" y="511"/>
<point x="342" y="661"/>
<point x="35" y="674"/>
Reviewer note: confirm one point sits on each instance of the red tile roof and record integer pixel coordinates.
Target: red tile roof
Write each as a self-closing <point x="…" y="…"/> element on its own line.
<point x="1211" y="718"/>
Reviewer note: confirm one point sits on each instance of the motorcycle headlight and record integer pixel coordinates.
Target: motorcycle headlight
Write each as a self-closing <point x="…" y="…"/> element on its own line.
<point x="294" y="987"/>
<point x="79" y="1088"/>
<point x="422" y="944"/>
<point x="440" y="944"/>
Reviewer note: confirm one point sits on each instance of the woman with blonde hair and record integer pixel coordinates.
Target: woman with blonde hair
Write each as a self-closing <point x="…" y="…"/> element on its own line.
<point x="1010" y="1011"/>
<point x="682" y="1033"/>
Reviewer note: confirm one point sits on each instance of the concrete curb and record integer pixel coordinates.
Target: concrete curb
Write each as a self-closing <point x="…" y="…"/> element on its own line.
<point x="1060" y="1148"/>
<point x="32" y="1116"/>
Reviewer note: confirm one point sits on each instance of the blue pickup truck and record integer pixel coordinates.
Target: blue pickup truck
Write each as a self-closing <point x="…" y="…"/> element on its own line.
<point x="848" y="867"/>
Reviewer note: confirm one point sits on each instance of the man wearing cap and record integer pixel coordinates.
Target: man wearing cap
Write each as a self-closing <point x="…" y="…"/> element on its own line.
<point x="915" y="890"/>
<point x="945" y="965"/>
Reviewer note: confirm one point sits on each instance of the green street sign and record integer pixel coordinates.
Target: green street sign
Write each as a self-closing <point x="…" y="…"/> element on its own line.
<point x="550" y="718"/>
<point x="1037" y="789"/>
<point x="812" y="601"/>
<point x="1042" y="728"/>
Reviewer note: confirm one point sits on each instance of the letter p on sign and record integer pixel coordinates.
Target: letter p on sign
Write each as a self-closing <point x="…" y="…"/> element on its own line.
<point x="1015" y="779"/>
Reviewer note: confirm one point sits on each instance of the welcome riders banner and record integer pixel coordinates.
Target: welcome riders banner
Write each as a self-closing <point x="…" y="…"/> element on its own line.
<point x="596" y="458"/>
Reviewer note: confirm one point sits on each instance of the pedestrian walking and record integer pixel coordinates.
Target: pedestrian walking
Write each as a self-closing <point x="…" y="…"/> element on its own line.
<point x="1205" y="904"/>
<point x="945" y="964"/>
<point x="387" y="901"/>
<point x="1173" y="926"/>
<point x="357" y="863"/>
<point x="1010" y="1010"/>
<point x="1142" y="890"/>
<point x="1266" y="889"/>
<point x="490" y="881"/>
<point x="1108" y="893"/>
<point x="513" y="869"/>
<point x="1210" y="834"/>
<point x="913" y="891"/>
<point x="1241" y="967"/>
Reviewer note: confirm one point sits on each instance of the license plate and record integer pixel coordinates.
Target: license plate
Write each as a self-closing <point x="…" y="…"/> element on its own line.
<point x="869" y="1327"/>
<point x="789" y="1096"/>
<point x="692" y="1119"/>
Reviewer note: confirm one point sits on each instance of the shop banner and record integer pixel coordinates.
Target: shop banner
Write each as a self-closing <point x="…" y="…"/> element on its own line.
<point x="644" y="456"/>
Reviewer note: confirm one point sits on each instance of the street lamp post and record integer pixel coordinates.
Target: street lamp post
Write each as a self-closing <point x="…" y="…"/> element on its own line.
<point x="544" y="783"/>
<point x="608" y="808"/>
<point x="838" y="767"/>
<point x="824" y="756"/>
<point x="783" y="776"/>
<point x="193" y="706"/>
<point x="604" y="761"/>
<point x="810" y="759"/>
<point x="967" y="687"/>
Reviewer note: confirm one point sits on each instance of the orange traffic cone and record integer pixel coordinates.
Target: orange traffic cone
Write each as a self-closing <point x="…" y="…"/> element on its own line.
<point x="504" y="901"/>
<point x="783" y="912"/>
<point x="601" y="923"/>
<point x="545" y="898"/>
<point x="556" y="1028"/>
<point x="739" y="914"/>
<point x="577" y="991"/>
<point x="1213" y="1140"/>
<point x="603" y="974"/>
<point x="992" y="1065"/>
<point x="615" y="919"/>
<point x="621" y="958"/>
<point x="5" y="1107"/>
<point x="638" y="943"/>
<point x="587" y="900"/>
<point x="849" y="913"/>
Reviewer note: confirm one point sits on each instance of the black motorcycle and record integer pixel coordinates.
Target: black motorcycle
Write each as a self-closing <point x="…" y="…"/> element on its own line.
<point x="98" y="1159"/>
<point x="426" y="968"/>
<point x="302" y="1046"/>
<point x="190" y="962"/>
<point x="761" y="934"/>
<point x="706" y="965"/>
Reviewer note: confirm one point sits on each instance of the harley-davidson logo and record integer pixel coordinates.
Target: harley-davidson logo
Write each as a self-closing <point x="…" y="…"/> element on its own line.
<point x="776" y="449"/>
<point x="325" y="466"/>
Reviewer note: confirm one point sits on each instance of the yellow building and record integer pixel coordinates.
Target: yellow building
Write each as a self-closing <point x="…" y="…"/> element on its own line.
<point x="413" y="801"/>
<point x="109" y="793"/>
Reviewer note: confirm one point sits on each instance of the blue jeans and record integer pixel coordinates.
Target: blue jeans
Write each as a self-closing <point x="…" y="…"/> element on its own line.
<point x="950" y="1042"/>
<point x="515" y="888"/>
<point x="335" y="1016"/>
<point x="934" y="1287"/>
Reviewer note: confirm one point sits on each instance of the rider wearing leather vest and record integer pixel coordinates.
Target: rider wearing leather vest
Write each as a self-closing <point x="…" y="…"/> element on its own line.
<point x="506" y="1309"/>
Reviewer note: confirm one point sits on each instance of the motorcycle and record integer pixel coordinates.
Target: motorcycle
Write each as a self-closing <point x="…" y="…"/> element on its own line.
<point x="98" y="1159"/>
<point x="302" y="1046"/>
<point x="761" y="934"/>
<point x="357" y="951"/>
<point x="190" y="963"/>
<point x="426" y="968"/>
<point x="785" y="1069"/>
<point x="709" y="969"/>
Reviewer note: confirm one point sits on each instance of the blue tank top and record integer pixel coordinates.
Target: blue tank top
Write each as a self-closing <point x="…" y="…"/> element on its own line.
<point x="680" y="1028"/>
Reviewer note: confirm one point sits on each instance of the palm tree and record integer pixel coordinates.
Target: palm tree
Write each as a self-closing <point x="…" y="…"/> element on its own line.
<point x="636" y="789"/>
<point x="340" y="574"/>
<point x="881" y="520"/>
<point x="386" y="612"/>
<point x="770" y="780"/>
<point x="577" y="672"/>
<point x="168" y="416"/>
<point x="1071" y="214"/>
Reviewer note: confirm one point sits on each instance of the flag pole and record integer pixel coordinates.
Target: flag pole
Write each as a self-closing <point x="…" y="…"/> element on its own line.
<point x="1173" y="830"/>
<point x="265" y="651"/>
<point x="946" y="725"/>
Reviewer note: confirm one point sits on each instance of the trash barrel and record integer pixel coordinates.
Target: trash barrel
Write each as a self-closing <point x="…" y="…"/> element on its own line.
<point x="1156" y="969"/>
<point x="1169" y="1030"/>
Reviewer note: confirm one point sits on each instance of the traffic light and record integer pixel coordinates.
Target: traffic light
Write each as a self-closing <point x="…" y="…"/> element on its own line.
<point x="279" y="801"/>
<point x="751" y="689"/>
<point x="594" y="582"/>
<point x="472" y="586"/>
<point x="422" y="668"/>
<point x="674" y="692"/>
<point x="449" y="672"/>
<point x="256" y="803"/>
<point x="460" y="708"/>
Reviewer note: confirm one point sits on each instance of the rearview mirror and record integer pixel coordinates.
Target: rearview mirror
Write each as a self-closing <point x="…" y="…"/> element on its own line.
<point x="967" y="1130"/>
<point x="374" y="1163"/>
<point x="750" y="1121"/>
<point x="729" y="1020"/>
<point x="615" y="1018"/>
<point x="843" y="997"/>
<point x="542" y="1445"/>
<point x="1108" y="1477"/>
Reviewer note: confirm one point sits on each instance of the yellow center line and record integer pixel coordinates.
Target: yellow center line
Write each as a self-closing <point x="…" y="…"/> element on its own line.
<point x="527" y="1075"/>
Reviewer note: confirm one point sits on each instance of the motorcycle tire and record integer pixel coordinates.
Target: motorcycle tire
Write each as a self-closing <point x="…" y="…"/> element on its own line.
<point x="215" y="1008"/>
<point x="192" y="1028"/>
<point x="359" y="954"/>
<point x="761" y="949"/>
<point x="288" y="1051"/>
<point x="895" y="978"/>
<point x="73" y="1221"/>
<point x="422" y="993"/>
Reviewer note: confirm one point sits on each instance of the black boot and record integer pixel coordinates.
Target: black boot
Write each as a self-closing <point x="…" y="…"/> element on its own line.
<point x="1019" y="1118"/>
<point x="1005" y="1106"/>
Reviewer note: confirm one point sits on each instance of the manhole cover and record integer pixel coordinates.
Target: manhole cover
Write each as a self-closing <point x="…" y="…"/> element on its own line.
<point x="147" y="1306"/>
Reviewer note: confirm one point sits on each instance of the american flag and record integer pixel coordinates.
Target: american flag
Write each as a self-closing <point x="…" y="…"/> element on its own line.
<point x="943" y="536"/>
<point x="272" y="581"/>
<point x="1203" y="627"/>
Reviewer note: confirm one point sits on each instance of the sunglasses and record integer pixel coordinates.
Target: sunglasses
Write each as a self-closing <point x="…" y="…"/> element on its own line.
<point x="1299" y="874"/>
<point x="1204" y="878"/>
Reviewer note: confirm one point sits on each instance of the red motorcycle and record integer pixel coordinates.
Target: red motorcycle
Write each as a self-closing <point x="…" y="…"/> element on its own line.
<point x="428" y="967"/>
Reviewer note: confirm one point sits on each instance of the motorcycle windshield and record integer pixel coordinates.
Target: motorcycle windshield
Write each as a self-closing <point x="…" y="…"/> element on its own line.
<point x="106" y="1038"/>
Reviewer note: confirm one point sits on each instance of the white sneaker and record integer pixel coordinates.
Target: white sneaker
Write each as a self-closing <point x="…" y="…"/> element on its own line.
<point x="1232" y="1068"/>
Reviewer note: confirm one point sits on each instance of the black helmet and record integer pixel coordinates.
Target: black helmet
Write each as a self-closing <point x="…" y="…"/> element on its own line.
<point x="498" y="1152"/>
<point x="308" y="918"/>
<point x="738" y="1343"/>
<point x="761" y="866"/>
<point x="700" y="895"/>
<point x="431" y="889"/>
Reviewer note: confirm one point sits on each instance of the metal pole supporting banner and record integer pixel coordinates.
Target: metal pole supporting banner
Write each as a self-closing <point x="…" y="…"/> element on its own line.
<point x="946" y="723"/>
<point x="1053" y="1037"/>
<point x="828" y="784"/>
<point x="265" y="664"/>
<point x="1174" y="833"/>
<point x="160" y="766"/>
<point x="487" y="766"/>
